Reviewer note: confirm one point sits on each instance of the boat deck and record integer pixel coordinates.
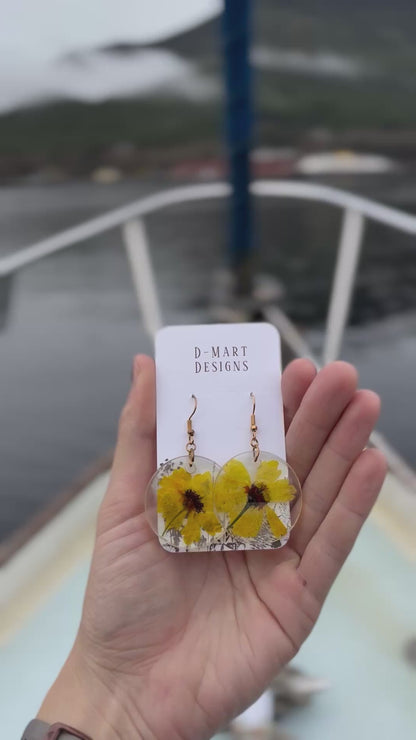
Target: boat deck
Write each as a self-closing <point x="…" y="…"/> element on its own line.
<point x="357" y="646"/>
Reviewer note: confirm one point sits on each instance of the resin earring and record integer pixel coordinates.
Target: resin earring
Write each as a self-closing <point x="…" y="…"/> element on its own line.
<point x="180" y="500"/>
<point x="257" y="497"/>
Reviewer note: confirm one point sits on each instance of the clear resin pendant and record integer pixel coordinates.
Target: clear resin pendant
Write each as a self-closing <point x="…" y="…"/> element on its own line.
<point x="180" y="505"/>
<point x="257" y="502"/>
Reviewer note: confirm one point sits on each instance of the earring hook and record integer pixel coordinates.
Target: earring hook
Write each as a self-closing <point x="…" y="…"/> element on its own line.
<point x="195" y="407"/>
<point x="253" y="426"/>
<point x="191" y="446"/>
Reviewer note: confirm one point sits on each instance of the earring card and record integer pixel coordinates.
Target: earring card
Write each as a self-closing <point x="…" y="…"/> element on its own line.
<point x="221" y="365"/>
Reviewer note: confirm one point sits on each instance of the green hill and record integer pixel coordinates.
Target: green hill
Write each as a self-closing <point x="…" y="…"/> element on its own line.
<point x="296" y="92"/>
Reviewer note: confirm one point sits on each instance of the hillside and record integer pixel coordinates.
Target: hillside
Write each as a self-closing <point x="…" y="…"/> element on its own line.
<point x="339" y="73"/>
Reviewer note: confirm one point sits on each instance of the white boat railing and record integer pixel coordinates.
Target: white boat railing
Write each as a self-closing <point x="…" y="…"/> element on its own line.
<point x="130" y="219"/>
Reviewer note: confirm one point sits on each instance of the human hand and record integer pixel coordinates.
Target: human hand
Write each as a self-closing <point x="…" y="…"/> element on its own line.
<point x="172" y="646"/>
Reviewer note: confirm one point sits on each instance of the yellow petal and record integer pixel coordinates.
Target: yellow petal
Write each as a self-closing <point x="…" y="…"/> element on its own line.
<point x="281" y="491"/>
<point x="237" y="472"/>
<point x="268" y="472"/>
<point x="178" y="480"/>
<point x="276" y="526"/>
<point x="230" y="494"/>
<point x="209" y="523"/>
<point x="249" y="524"/>
<point x="169" y="497"/>
<point x="191" y="531"/>
<point x="201" y="483"/>
<point x="169" y="504"/>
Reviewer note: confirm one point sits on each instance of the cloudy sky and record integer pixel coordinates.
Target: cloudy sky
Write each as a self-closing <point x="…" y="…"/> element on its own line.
<point x="35" y="33"/>
<point x="38" y="30"/>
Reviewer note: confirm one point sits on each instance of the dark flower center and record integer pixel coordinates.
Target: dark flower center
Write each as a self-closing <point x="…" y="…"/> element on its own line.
<point x="192" y="501"/>
<point x="255" y="495"/>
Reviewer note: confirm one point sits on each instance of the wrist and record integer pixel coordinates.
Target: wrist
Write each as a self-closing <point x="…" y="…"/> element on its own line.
<point x="81" y="699"/>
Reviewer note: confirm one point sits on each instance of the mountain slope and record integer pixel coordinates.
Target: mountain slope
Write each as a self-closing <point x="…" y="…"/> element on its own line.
<point x="343" y="68"/>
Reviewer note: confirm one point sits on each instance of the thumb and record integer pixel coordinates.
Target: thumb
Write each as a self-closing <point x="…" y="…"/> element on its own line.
<point x="135" y="454"/>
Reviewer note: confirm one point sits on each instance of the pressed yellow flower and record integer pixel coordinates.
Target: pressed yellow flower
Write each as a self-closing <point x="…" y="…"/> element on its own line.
<point x="248" y="503"/>
<point x="185" y="502"/>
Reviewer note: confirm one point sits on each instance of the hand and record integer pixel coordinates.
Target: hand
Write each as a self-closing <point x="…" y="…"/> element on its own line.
<point x="172" y="646"/>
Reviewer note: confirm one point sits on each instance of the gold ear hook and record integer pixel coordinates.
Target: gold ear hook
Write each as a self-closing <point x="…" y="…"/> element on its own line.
<point x="195" y="407"/>
<point x="253" y="426"/>
<point x="191" y="446"/>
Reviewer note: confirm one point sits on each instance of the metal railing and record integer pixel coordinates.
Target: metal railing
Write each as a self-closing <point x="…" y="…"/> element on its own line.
<point x="130" y="219"/>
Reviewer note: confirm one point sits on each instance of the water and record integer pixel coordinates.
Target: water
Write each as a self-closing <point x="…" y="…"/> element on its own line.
<point x="72" y="326"/>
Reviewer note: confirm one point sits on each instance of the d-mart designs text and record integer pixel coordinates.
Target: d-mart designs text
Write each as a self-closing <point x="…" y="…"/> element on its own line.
<point x="220" y="359"/>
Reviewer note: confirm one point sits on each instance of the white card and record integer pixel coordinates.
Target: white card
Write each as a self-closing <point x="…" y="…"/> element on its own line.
<point x="198" y="505"/>
<point x="221" y="364"/>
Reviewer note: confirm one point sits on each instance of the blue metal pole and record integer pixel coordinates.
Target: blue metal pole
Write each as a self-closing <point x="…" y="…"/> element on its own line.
<point x="239" y="124"/>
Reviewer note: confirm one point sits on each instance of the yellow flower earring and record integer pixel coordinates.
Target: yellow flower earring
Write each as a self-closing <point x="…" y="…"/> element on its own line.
<point x="180" y="501"/>
<point x="257" y="497"/>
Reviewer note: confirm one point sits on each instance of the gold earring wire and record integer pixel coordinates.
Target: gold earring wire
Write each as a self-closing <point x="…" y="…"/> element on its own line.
<point x="191" y="446"/>
<point x="253" y="426"/>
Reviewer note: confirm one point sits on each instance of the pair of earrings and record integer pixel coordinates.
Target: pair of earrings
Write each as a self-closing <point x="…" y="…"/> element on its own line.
<point x="250" y="503"/>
